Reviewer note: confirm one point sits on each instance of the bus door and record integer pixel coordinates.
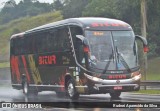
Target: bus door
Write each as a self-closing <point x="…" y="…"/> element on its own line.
<point x="80" y="55"/>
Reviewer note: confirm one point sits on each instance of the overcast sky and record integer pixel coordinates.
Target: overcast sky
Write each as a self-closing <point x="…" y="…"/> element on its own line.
<point x="2" y="2"/>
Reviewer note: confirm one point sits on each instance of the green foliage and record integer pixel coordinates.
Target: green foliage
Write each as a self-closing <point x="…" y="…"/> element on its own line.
<point x="153" y="71"/>
<point x="148" y="91"/>
<point x="100" y="8"/>
<point x="4" y="64"/>
<point x="24" y="8"/>
<point x="125" y="10"/>
<point x="129" y="11"/>
<point x="20" y="25"/>
<point x="74" y="8"/>
<point x="57" y="5"/>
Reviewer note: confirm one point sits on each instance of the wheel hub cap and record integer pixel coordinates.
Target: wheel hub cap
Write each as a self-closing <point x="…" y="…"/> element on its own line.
<point x="70" y="89"/>
<point x="25" y="88"/>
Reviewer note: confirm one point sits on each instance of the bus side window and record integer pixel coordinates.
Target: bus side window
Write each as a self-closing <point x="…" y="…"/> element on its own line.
<point x="75" y="30"/>
<point x="27" y="45"/>
<point x="67" y="45"/>
<point x="22" y="46"/>
<point x="19" y="47"/>
<point x="52" y="40"/>
<point x="63" y="39"/>
<point x="15" y="47"/>
<point x="40" y="42"/>
<point x="12" y="47"/>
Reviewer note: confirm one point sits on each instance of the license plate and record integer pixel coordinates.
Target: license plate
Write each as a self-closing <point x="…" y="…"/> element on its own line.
<point x="118" y="88"/>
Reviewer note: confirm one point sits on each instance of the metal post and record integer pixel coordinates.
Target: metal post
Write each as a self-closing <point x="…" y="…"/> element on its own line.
<point x="143" y="31"/>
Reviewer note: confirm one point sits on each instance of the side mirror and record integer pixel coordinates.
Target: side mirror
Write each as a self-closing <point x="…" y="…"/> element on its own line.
<point x="85" y="43"/>
<point x="83" y="39"/>
<point x="144" y="41"/>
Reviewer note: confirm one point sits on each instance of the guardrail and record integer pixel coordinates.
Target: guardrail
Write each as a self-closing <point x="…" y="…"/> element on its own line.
<point x="150" y="83"/>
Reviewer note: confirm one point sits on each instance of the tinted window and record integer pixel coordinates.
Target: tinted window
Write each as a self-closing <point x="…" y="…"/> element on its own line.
<point x="29" y="44"/>
<point x="42" y="42"/>
<point x="19" y="48"/>
<point x="75" y="30"/>
<point x="53" y="40"/>
<point x="63" y="39"/>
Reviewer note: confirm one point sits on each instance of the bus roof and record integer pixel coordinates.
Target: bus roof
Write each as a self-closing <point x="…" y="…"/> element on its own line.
<point x="89" y="23"/>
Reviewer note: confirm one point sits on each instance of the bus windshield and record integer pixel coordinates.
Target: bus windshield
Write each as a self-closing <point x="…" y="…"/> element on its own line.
<point x="111" y="50"/>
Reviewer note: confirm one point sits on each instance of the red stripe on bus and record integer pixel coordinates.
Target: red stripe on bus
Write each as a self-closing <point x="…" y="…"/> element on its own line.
<point x="15" y="68"/>
<point x="25" y="67"/>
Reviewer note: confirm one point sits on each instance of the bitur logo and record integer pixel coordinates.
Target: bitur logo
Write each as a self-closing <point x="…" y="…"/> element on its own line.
<point x="47" y="60"/>
<point x="117" y="77"/>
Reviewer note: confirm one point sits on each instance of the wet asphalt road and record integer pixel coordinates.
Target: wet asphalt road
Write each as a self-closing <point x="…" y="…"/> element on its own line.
<point x="8" y="94"/>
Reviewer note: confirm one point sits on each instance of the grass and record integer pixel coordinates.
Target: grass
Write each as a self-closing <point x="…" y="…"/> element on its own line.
<point x="153" y="72"/>
<point x="21" y="25"/>
<point x="148" y="91"/>
<point x="4" y="64"/>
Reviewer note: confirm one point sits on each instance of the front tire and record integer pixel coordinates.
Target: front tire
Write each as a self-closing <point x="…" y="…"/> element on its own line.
<point x="71" y="90"/>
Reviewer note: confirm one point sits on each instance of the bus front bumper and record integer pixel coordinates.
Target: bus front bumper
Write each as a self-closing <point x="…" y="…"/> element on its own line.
<point x="114" y="82"/>
<point x="122" y="85"/>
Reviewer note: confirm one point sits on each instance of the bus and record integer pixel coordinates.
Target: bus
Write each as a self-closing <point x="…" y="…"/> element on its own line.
<point x="88" y="55"/>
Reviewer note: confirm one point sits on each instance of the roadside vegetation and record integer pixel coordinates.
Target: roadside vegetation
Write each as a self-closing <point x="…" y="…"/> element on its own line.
<point x="148" y="91"/>
<point x="20" y="25"/>
<point x="153" y="72"/>
<point x="4" y="65"/>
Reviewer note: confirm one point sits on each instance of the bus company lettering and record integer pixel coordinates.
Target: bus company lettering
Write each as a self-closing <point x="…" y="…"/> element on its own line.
<point x="108" y="24"/>
<point x="47" y="60"/>
<point x="117" y="77"/>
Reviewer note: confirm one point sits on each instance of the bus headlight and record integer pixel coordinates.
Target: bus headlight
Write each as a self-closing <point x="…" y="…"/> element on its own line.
<point x="135" y="74"/>
<point x="96" y="79"/>
<point x="137" y="77"/>
<point x="93" y="78"/>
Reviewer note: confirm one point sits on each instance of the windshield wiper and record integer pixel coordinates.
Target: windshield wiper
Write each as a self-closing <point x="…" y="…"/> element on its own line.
<point x="107" y="65"/>
<point x="120" y="58"/>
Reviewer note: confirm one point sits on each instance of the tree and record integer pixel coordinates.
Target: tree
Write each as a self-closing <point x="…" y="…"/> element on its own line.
<point x="74" y="8"/>
<point x="10" y="3"/>
<point x="27" y="1"/>
<point x="57" y="5"/>
<point x="24" y="8"/>
<point x="125" y="10"/>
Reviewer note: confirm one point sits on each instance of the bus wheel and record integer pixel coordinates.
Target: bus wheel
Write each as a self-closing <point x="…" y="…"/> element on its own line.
<point x="71" y="90"/>
<point x="25" y="88"/>
<point x="115" y="95"/>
